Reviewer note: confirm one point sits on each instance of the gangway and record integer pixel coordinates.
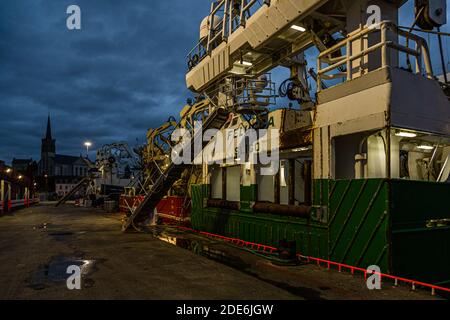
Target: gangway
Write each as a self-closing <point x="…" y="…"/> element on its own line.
<point x="168" y="176"/>
<point x="75" y="189"/>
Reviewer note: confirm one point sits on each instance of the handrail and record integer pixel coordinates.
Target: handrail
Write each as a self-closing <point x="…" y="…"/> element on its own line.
<point x="225" y="27"/>
<point x="421" y="52"/>
<point x="396" y="279"/>
<point x="242" y="91"/>
<point x="17" y="203"/>
<point x="320" y="262"/>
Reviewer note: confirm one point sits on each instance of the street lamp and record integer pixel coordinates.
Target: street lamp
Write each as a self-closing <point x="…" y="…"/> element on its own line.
<point x="8" y="170"/>
<point x="87" y="144"/>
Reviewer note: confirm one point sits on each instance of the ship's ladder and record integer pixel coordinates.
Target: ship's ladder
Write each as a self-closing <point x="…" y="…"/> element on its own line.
<point x="165" y="176"/>
<point x="85" y="181"/>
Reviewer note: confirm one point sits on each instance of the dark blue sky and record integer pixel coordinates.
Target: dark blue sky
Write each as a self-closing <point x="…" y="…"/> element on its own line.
<point x="120" y="75"/>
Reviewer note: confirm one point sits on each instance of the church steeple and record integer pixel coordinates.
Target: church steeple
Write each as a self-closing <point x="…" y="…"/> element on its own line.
<point x="48" y="150"/>
<point x="48" y="134"/>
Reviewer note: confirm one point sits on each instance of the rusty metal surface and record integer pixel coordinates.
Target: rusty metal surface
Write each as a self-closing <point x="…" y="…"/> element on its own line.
<point x="283" y="210"/>
<point x="216" y="203"/>
<point x="296" y="138"/>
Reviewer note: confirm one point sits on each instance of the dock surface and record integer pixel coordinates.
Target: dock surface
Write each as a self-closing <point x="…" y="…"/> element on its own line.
<point x="38" y="243"/>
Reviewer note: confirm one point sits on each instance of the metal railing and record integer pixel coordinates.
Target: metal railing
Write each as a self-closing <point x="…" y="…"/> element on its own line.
<point x="250" y="93"/>
<point x="330" y="265"/>
<point x="232" y="14"/>
<point x="196" y="54"/>
<point x="335" y="65"/>
<point x="18" y="203"/>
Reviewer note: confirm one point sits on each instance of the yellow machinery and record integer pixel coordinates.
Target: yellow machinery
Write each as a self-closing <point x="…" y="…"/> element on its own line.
<point x="159" y="147"/>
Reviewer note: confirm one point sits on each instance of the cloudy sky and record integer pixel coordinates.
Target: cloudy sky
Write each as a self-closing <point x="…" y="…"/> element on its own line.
<point x="120" y="75"/>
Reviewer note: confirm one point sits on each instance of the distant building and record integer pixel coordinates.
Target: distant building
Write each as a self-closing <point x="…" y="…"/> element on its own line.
<point x="27" y="167"/>
<point x="63" y="185"/>
<point x="70" y="166"/>
<point x="69" y="171"/>
<point x="22" y="165"/>
<point x="59" y="173"/>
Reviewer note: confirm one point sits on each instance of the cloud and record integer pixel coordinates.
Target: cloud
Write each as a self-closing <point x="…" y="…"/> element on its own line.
<point x="120" y="75"/>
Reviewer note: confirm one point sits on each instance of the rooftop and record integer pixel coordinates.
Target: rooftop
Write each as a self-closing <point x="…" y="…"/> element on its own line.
<point x="63" y="159"/>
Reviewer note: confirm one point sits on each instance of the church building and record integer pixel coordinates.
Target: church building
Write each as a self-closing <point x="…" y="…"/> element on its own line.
<point x="59" y="173"/>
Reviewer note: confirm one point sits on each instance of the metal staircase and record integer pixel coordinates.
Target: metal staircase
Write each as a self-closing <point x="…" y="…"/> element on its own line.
<point x="80" y="185"/>
<point x="167" y="176"/>
<point x="136" y="185"/>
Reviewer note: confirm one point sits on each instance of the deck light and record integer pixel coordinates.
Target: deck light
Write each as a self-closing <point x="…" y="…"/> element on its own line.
<point x="425" y="147"/>
<point x="406" y="134"/>
<point x="301" y="149"/>
<point x="298" y="28"/>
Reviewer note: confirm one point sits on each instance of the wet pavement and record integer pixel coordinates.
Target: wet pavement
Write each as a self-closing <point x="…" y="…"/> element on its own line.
<point x="38" y="244"/>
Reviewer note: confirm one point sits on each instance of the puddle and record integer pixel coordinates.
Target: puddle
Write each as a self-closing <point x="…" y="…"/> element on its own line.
<point x="56" y="272"/>
<point x="38" y="286"/>
<point x="42" y="226"/>
<point x="60" y="234"/>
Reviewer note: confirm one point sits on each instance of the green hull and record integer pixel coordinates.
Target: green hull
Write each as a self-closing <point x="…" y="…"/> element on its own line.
<point x="356" y="222"/>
